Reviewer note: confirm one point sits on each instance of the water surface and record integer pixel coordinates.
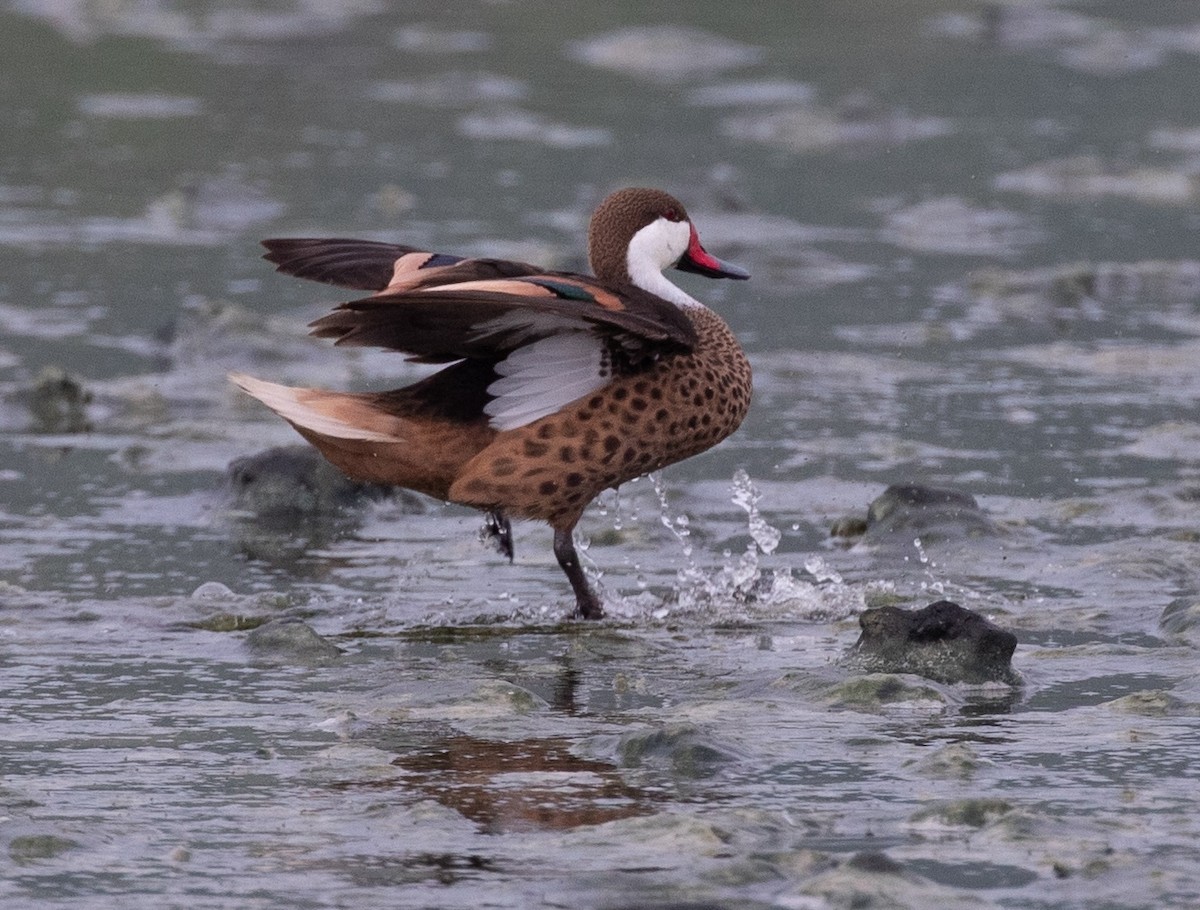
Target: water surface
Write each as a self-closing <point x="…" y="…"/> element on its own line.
<point x="972" y="234"/>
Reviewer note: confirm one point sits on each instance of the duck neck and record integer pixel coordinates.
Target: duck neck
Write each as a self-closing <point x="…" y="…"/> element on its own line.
<point x="641" y="262"/>
<point x="645" y="276"/>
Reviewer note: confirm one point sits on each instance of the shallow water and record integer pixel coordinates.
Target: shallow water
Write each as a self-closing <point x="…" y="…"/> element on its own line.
<point x="972" y="234"/>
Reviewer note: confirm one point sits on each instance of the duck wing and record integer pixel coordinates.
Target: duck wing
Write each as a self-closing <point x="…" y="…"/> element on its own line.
<point x="488" y="319"/>
<point x="437" y="307"/>
<point x="544" y="339"/>
<point x="369" y="265"/>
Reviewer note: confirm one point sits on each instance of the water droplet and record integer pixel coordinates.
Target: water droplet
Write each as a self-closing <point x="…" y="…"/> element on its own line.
<point x="747" y="496"/>
<point x="818" y="569"/>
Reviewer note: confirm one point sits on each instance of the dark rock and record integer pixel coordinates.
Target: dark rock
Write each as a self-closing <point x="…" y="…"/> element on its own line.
<point x="912" y="507"/>
<point x="291" y="481"/>
<point x="912" y="497"/>
<point x="289" y="500"/>
<point x="913" y="510"/>
<point x="875" y="862"/>
<point x="942" y="642"/>
<point x="58" y="403"/>
<point x="849" y="526"/>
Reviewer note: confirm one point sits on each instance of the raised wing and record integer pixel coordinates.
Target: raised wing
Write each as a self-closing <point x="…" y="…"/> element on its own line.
<point x="545" y="338"/>
<point x="368" y="265"/>
<point x="488" y="318"/>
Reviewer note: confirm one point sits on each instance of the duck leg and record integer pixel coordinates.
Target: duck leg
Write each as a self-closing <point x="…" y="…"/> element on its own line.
<point x="587" y="604"/>
<point x="497" y="532"/>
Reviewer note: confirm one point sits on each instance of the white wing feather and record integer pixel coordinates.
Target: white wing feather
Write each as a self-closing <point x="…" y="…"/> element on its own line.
<point x="540" y="378"/>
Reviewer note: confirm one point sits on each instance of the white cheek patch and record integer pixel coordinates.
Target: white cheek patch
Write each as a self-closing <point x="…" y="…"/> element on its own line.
<point x="540" y="378"/>
<point x="656" y="246"/>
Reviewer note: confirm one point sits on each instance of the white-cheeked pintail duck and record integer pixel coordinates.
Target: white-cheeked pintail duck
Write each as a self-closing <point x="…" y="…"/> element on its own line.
<point x="557" y="385"/>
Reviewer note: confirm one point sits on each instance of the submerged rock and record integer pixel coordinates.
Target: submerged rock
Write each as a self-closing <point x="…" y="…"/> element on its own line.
<point x="683" y="748"/>
<point x="288" y="500"/>
<point x="58" y="403"/>
<point x="1181" y="617"/>
<point x="31" y="848"/>
<point x="875" y="690"/>
<point x="1150" y="703"/>
<point x="943" y="642"/>
<point x="971" y="812"/>
<point x="295" y="480"/>
<point x="899" y="503"/>
<point x="1057" y="295"/>
<point x="914" y="510"/>
<point x="291" y="640"/>
<point x="956" y="761"/>
<point x="874" y="879"/>
<point x="214" y="590"/>
<point x="229" y="622"/>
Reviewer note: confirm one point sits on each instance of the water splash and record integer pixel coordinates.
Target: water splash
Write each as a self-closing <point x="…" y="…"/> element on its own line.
<point x="591" y="568"/>
<point x="922" y="556"/>
<point x="678" y="525"/>
<point x="741" y="583"/>
<point x="747" y="496"/>
<point x="931" y="584"/>
<point x="821" y="572"/>
<point x="610" y="501"/>
<point x="740" y="579"/>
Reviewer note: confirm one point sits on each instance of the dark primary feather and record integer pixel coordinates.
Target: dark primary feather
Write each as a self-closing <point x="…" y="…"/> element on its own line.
<point x="369" y="265"/>
<point x="365" y="265"/>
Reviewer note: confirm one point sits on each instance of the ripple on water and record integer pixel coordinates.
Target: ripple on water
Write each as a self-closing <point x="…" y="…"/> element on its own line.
<point x="139" y="106"/>
<point x="664" y="53"/>
<point x="465" y="745"/>
<point x="525" y="126"/>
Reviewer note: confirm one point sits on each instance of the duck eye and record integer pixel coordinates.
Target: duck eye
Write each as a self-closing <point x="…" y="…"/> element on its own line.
<point x="672" y="214"/>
